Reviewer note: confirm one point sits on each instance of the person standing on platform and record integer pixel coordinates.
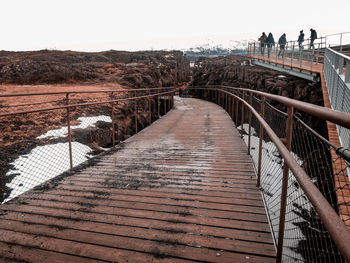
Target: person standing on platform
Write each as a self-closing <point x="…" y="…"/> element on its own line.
<point x="301" y="40"/>
<point x="313" y="36"/>
<point x="282" y="41"/>
<point x="262" y="40"/>
<point x="269" y="43"/>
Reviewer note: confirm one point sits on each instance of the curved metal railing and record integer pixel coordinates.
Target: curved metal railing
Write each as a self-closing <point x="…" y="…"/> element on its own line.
<point x="47" y="134"/>
<point x="305" y="188"/>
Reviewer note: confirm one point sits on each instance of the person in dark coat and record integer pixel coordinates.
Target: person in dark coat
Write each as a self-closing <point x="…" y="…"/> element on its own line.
<point x="282" y="41"/>
<point x="262" y="40"/>
<point x="301" y="40"/>
<point x="313" y="36"/>
<point x="269" y="43"/>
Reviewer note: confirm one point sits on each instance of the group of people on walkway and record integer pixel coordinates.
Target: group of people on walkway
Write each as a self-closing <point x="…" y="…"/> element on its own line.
<point x="268" y="42"/>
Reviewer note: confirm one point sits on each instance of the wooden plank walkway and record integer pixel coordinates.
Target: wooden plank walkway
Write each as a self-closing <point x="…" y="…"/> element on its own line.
<point x="293" y="63"/>
<point x="182" y="190"/>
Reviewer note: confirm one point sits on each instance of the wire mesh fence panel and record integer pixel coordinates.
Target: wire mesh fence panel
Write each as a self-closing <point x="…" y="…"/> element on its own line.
<point x="37" y="146"/>
<point x="341" y="171"/>
<point x="30" y="103"/>
<point x="305" y="237"/>
<point x="34" y="150"/>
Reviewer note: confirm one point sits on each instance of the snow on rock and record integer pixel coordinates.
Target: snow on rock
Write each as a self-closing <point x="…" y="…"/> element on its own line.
<point x="84" y="123"/>
<point x="44" y="163"/>
<point x="271" y="187"/>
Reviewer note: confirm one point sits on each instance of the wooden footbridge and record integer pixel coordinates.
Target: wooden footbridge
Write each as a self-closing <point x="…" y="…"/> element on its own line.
<point x="181" y="190"/>
<point x="221" y="176"/>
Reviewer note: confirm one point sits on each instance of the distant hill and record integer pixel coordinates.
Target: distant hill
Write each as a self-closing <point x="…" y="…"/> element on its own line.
<point x="213" y="50"/>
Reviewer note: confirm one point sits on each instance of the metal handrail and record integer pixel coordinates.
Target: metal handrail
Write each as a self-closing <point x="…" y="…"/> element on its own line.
<point x="155" y="93"/>
<point x="337" y="117"/>
<point x="339" y="54"/>
<point x="333" y="223"/>
<point x="85" y="104"/>
<point x="78" y="92"/>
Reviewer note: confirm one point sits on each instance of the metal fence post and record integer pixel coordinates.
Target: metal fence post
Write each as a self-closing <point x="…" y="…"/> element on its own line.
<point x="113" y="123"/>
<point x="69" y="133"/>
<point x="232" y="107"/>
<point x="149" y="110"/>
<point x="219" y="97"/>
<point x="242" y="113"/>
<point x="261" y="136"/>
<point x="165" y="105"/>
<point x="136" y="128"/>
<point x="229" y="105"/>
<point x="158" y="106"/>
<point x="347" y="73"/>
<point x="250" y="121"/>
<point x="288" y="142"/>
<point x="236" y="112"/>
<point x="341" y="42"/>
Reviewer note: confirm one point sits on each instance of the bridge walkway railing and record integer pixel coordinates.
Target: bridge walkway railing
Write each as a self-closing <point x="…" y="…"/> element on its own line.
<point x="306" y="191"/>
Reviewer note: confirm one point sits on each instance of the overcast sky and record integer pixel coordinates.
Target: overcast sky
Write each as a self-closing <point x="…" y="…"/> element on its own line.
<point x="159" y="24"/>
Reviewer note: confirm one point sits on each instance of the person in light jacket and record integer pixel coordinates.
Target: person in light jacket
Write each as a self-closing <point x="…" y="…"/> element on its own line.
<point x="282" y="41"/>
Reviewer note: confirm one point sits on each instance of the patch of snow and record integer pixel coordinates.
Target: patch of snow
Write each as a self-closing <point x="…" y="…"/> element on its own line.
<point x="84" y="123"/>
<point x="271" y="187"/>
<point x="34" y="168"/>
<point x="281" y="77"/>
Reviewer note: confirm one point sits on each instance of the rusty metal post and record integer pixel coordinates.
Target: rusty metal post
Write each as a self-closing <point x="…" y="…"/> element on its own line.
<point x="136" y="112"/>
<point x="149" y="111"/>
<point x="164" y="105"/>
<point x="113" y="122"/>
<point x="158" y="106"/>
<point x="250" y="122"/>
<point x="232" y="107"/>
<point x="229" y="105"/>
<point x="219" y="97"/>
<point x="149" y="107"/>
<point x="288" y="142"/>
<point x="169" y="102"/>
<point x="261" y="135"/>
<point x="236" y="113"/>
<point x="242" y="113"/>
<point x="69" y="133"/>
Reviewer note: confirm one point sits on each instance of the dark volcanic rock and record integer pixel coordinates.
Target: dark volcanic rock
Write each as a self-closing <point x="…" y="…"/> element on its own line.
<point x="137" y="69"/>
<point x="236" y="71"/>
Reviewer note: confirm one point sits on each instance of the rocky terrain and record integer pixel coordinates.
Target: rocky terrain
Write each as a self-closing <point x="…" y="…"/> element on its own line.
<point x="146" y="69"/>
<point x="53" y="71"/>
<point x="236" y="71"/>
